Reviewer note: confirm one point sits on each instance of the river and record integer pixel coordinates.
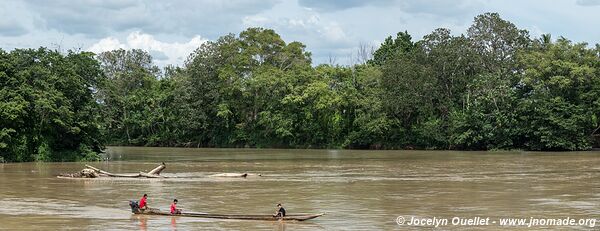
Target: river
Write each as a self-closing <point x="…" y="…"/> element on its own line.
<point x="356" y="189"/>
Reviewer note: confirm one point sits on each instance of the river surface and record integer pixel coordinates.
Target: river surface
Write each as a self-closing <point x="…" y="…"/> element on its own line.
<point x="357" y="190"/>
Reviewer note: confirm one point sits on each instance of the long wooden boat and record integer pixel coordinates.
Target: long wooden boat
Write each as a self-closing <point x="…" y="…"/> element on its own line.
<point x="290" y="217"/>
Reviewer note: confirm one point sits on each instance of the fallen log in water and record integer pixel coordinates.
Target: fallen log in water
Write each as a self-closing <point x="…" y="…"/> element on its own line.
<point x="235" y="175"/>
<point x="157" y="170"/>
<point x="93" y="172"/>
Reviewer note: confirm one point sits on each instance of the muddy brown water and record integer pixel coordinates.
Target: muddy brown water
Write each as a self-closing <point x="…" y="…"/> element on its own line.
<point x="357" y="190"/>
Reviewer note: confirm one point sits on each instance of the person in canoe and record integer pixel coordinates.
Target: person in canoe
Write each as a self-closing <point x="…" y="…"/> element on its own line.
<point x="143" y="203"/>
<point x="174" y="209"/>
<point x="280" y="211"/>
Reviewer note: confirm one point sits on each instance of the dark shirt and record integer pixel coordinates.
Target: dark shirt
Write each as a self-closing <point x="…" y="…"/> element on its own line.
<point x="281" y="212"/>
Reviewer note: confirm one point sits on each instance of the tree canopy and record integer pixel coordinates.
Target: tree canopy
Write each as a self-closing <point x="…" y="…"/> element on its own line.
<point x="492" y="87"/>
<point x="48" y="108"/>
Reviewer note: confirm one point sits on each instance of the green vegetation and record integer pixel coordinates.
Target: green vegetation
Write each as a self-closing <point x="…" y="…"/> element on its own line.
<point x="491" y="88"/>
<point x="47" y="106"/>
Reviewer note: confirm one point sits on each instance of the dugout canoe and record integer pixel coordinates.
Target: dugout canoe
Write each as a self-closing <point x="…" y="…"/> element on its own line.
<point x="290" y="217"/>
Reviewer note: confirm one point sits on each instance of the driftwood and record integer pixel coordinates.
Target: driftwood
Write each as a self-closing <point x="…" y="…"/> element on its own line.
<point x="235" y="175"/>
<point x="93" y="172"/>
<point x="158" y="169"/>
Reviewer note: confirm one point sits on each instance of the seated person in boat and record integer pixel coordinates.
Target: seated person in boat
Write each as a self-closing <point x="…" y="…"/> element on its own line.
<point x="280" y="211"/>
<point x="143" y="204"/>
<point x="174" y="209"/>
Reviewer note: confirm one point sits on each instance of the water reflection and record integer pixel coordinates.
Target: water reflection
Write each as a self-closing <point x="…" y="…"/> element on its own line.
<point x="279" y="226"/>
<point x="142" y="221"/>
<point x="173" y="223"/>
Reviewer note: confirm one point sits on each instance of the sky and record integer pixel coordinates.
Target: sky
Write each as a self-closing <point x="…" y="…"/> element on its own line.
<point x="332" y="30"/>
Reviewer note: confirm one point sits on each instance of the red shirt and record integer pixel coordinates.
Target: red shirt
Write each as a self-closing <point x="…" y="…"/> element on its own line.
<point x="173" y="208"/>
<point x="142" y="202"/>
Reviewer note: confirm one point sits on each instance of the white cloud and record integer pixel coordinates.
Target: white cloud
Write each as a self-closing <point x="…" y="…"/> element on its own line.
<point x="327" y="28"/>
<point x="175" y="52"/>
<point x="254" y="20"/>
<point x="588" y="2"/>
<point x="106" y="44"/>
<point x="308" y="23"/>
<point x="100" y="18"/>
<point x="333" y="32"/>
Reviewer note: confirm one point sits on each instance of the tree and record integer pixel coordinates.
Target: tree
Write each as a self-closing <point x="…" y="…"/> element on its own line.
<point x="126" y="95"/>
<point x="497" y="40"/>
<point x="560" y="87"/>
<point x="237" y="84"/>
<point x="489" y="119"/>
<point x="453" y="63"/>
<point x="392" y="47"/>
<point x="48" y="110"/>
<point x="491" y="88"/>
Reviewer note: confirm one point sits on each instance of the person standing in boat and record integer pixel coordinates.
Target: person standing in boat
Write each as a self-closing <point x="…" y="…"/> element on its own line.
<point x="174" y="209"/>
<point x="143" y="203"/>
<point x="280" y="211"/>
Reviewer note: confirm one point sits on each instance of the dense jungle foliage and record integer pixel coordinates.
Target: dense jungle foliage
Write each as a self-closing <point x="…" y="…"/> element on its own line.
<point x="493" y="87"/>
